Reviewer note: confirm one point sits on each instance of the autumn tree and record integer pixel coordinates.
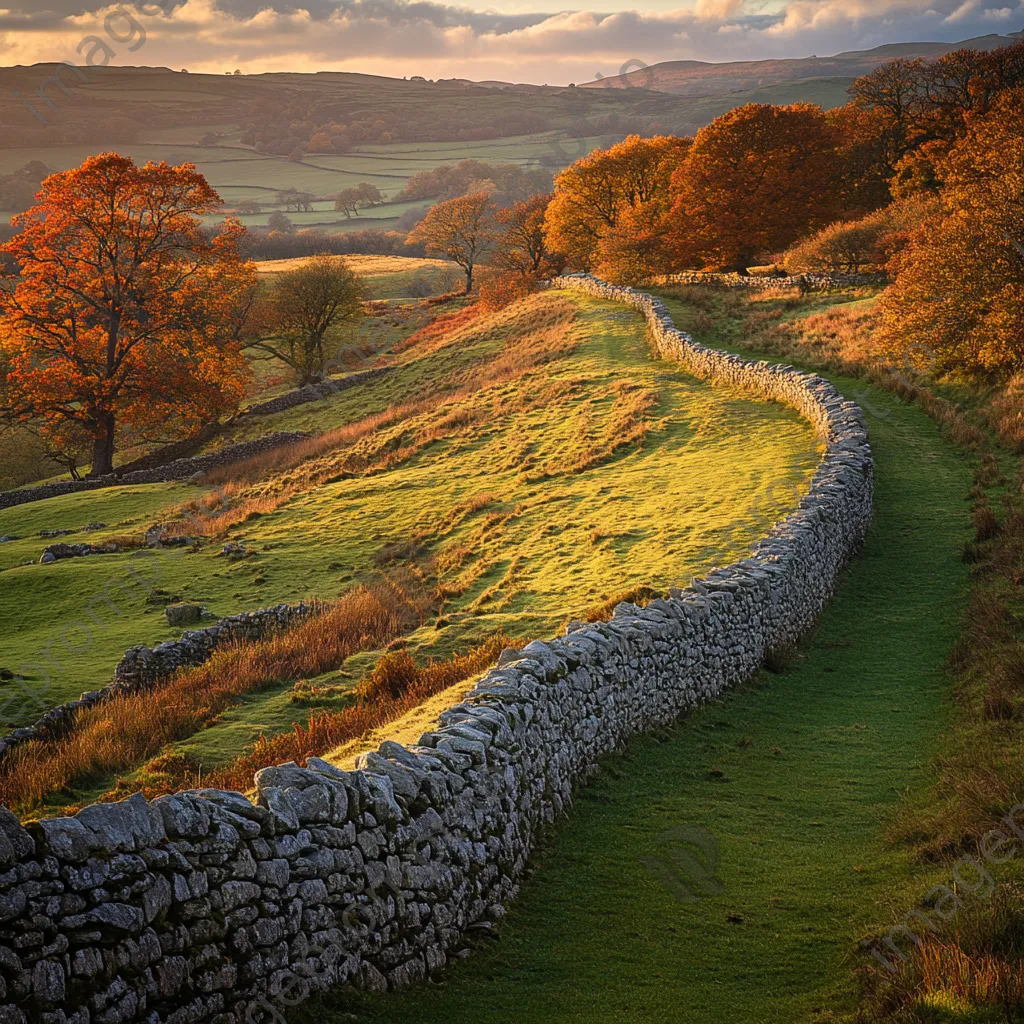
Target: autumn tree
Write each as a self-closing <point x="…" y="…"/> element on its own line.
<point x="369" y="195"/>
<point x="957" y="302"/>
<point x="521" y="246"/>
<point x="294" y="321"/>
<point x="908" y="114"/>
<point x="593" y="193"/>
<point x="756" y="179"/>
<point x="638" y="248"/>
<point x="461" y="230"/>
<point x="279" y="221"/>
<point x="293" y="199"/>
<point x="349" y="200"/>
<point x="124" y="311"/>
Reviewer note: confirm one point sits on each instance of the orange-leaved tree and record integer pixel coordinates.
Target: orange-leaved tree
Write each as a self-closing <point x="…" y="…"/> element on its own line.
<point x="521" y="246"/>
<point x="756" y="179"/>
<point x="638" y="248"/>
<point x="957" y="301"/>
<point x="123" y="313"/>
<point x="593" y="194"/>
<point x="461" y="230"/>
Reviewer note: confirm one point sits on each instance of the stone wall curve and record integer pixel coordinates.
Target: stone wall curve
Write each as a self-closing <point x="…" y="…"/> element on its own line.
<point x="209" y="906"/>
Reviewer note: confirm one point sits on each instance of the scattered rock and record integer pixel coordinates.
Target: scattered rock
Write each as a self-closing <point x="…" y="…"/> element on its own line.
<point x="46" y="534"/>
<point x="57" y="552"/>
<point x="6" y="537"/>
<point x="6" y="673"/>
<point x="234" y="550"/>
<point x="184" y="614"/>
<point x="158" y="537"/>
<point x="95" y="526"/>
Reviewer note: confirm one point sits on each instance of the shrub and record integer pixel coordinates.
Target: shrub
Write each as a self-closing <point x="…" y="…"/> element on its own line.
<point x="500" y="290"/>
<point x="848" y="247"/>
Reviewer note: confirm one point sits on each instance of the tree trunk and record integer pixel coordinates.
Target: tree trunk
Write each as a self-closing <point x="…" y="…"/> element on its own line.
<point x="103" y="447"/>
<point x="469" y="279"/>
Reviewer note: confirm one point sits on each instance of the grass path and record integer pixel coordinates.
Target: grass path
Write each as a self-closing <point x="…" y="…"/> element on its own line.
<point x="794" y="776"/>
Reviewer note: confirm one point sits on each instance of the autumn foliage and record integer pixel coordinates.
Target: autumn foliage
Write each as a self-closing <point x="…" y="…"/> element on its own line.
<point x="756" y="179"/>
<point x="461" y="230"/>
<point x="521" y="246"/>
<point x="957" y="302"/>
<point x="124" y="311"/>
<point x="596" y="193"/>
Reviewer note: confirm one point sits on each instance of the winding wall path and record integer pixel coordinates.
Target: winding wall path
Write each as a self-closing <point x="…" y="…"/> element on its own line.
<point x="206" y="906"/>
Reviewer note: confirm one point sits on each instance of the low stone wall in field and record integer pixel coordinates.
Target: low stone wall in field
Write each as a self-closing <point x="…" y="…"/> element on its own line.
<point x="319" y="392"/>
<point x="179" y="469"/>
<point x="208" y="906"/>
<point x="141" y="667"/>
<point x="801" y="282"/>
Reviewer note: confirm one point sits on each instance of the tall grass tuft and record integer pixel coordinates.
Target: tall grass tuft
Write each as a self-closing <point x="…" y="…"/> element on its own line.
<point x="121" y="733"/>
<point x="395" y="686"/>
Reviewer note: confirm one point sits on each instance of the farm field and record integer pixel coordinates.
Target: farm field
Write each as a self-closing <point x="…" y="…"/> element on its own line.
<point x="795" y="776"/>
<point x="515" y="480"/>
<point x="239" y="173"/>
<point x="385" y="277"/>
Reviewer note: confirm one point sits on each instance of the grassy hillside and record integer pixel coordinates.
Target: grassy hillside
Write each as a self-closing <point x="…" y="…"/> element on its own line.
<point x="525" y="468"/>
<point x="795" y="777"/>
<point x="395" y="283"/>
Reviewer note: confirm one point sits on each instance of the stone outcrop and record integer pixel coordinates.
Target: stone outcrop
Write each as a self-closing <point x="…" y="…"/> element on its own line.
<point x="179" y="469"/>
<point x="209" y="906"/>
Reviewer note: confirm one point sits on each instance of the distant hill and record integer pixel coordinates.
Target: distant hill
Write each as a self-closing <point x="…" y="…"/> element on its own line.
<point x="254" y="136"/>
<point x="698" y="79"/>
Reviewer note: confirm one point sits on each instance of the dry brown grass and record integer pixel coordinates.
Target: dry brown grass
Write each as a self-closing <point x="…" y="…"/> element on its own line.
<point x="975" y="963"/>
<point x="602" y="611"/>
<point x="395" y="686"/>
<point x="628" y="422"/>
<point x="121" y="733"/>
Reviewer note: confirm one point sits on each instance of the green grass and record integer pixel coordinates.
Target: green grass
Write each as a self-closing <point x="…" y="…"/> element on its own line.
<point x="533" y="551"/>
<point x="794" y="776"/>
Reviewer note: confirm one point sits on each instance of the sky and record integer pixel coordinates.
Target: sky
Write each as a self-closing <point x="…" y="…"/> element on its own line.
<point x="511" y="40"/>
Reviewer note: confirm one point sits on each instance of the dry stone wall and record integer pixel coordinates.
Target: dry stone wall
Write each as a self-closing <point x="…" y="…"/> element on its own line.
<point x="179" y="469"/>
<point x="802" y="282"/>
<point x="208" y="906"/>
<point x="320" y="391"/>
<point x="142" y="667"/>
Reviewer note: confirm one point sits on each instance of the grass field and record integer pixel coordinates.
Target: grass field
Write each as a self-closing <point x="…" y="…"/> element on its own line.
<point x="238" y="172"/>
<point x="525" y="499"/>
<point x="795" y="777"/>
<point x="385" y="277"/>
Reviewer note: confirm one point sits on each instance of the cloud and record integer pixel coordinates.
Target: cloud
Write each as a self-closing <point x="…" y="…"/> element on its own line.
<point x="721" y="12"/>
<point x="394" y="37"/>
